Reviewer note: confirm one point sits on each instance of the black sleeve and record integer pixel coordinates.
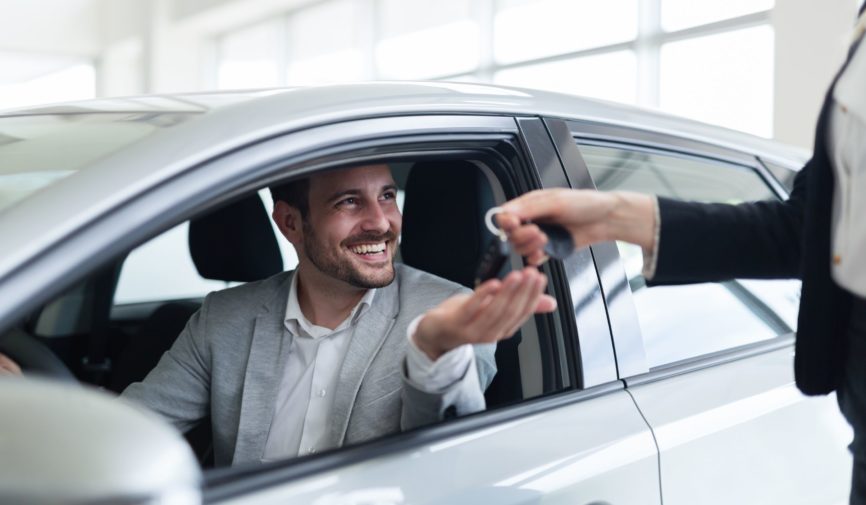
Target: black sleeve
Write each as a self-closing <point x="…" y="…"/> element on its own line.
<point x="703" y="242"/>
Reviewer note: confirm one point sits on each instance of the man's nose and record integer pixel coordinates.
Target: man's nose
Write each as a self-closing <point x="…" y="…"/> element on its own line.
<point x="375" y="219"/>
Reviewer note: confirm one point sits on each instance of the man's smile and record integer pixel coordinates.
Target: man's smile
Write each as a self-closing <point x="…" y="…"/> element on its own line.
<point x="373" y="251"/>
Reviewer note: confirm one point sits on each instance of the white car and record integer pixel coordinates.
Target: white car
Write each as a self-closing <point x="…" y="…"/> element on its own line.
<point x="117" y="217"/>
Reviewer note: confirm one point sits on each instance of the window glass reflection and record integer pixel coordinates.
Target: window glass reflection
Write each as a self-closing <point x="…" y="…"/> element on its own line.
<point x="681" y="322"/>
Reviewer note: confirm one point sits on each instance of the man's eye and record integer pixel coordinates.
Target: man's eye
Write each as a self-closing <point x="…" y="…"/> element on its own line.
<point x="347" y="201"/>
<point x="389" y="195"/>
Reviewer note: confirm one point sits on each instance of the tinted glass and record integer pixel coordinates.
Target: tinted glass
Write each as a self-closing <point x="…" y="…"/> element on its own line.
<point x="681" y="322"/>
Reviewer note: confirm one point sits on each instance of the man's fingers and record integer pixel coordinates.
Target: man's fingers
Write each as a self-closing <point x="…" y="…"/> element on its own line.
<point x="525" y="301"/>
<point x="511" y="307"/>
<point x="488" y="319"/>
<point x="8" y="367"/>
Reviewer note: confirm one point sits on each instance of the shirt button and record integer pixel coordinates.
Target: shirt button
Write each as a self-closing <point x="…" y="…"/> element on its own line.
<point x="844" y="109"/>
<point x="322" y="393"/>
<point x="837" y="259"/>
<point x="311" y="450"/>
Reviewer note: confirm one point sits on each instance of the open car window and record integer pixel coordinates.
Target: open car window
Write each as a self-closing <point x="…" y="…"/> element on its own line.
<point x="157" y="287"/>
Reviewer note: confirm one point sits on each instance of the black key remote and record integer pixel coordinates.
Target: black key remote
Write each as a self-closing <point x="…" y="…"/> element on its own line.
<point x="560" y="243"/>
<point x="495" y="255"/>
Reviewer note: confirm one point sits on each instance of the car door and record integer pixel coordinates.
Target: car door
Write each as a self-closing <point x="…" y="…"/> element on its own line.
<point x="579" y="440"/>
<point x="573" y="436"/>
<point x="715" y="378"/>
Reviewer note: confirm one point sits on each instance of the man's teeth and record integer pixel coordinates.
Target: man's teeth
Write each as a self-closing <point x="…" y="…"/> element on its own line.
<point x="368" y="248"/>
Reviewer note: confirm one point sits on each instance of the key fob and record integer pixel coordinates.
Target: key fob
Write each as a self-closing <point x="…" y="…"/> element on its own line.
<point x="495" y="254"/>
<point x="560" y="244"/>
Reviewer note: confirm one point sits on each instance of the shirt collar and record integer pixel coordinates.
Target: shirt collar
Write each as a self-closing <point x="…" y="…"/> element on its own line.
<point x="298" y="324"/>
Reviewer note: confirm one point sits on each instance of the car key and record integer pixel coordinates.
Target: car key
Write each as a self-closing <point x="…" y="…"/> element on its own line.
<point x="560" y="243"/>
<point x="495" y="254"/>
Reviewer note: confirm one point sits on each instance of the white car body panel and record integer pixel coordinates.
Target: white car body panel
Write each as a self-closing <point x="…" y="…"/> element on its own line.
<point x="518" y="462"/>
<point x="740" y="432"/>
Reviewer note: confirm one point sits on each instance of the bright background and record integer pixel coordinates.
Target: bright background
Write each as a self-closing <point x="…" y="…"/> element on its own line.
<point x="759" y="66"/>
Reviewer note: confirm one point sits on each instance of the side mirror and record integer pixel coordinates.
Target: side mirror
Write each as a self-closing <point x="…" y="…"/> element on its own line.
<point x="61" y="443"/>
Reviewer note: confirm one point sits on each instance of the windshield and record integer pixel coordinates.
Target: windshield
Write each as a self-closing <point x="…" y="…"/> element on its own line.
<point x="37" y="150"/>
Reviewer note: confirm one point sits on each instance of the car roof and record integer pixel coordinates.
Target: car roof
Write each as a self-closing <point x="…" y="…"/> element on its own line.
<point x="222" y="122"/>
<point x="295" y="108"/>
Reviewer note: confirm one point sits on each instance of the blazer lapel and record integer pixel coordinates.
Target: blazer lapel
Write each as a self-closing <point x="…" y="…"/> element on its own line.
<point x="368" y="337"/>
<point x="269" y="352"/>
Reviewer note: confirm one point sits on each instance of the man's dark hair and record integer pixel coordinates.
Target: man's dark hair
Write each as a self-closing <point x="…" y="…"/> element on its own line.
<point x="295" y="193"/>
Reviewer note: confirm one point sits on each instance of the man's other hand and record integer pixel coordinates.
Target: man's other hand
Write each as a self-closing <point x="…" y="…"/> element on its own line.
<point x="493" y="312"/>
<point x="8" y="367"/>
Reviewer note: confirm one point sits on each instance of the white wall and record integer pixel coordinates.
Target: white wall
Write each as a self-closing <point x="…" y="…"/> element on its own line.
<point x="58" y="27"/>
<point x="812" y="38"/>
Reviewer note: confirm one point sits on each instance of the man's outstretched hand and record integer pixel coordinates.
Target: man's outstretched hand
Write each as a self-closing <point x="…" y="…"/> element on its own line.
<point x="493" y="312"/>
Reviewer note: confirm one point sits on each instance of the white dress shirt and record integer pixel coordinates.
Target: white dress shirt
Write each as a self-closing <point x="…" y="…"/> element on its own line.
<point x="305" y="396"/>
<point x="847" y="149"/>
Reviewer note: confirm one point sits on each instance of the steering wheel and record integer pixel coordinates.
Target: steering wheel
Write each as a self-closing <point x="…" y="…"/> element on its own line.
<point x="33" y="356"/>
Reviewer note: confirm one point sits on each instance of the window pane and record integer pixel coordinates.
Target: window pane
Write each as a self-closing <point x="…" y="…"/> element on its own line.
<point x="681" y="322"/>
<point x="611" y="76"/>
<point x="427" y="39"/>
<point x="679" y="14"/>
<point x="318" y="56"/>
<point x="249" y="58"/>
<point x="724" y="79"/>
<point x="526" y="30"/>
<point x="163" y="269"/>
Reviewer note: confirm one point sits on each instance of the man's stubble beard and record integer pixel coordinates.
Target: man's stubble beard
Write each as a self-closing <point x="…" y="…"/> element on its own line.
<point x="342" y="268"/>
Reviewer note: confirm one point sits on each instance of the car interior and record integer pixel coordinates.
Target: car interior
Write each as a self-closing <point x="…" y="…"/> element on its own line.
<point x="86" y="335"/>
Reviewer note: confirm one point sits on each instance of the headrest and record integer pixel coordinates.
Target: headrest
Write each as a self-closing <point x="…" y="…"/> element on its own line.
<point x="235" y="243"/>
<point x="443" y="229"/>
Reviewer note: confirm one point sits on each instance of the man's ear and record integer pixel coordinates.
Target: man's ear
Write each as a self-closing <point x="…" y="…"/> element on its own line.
<point x="289" y="222"/>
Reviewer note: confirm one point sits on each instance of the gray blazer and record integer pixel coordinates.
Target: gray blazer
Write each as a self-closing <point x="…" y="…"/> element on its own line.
<point x="229" y="360"/>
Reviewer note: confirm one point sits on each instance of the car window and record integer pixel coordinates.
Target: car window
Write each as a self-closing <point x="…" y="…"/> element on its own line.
<point x="177" y="277"/>
<point x="681" y="322"/>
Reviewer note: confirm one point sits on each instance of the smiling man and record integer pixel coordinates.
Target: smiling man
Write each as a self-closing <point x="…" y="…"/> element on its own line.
<point x="347" y="347"/>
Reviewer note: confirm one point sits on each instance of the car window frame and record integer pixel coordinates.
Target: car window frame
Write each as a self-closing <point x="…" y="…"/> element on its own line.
<point x="162" y="204"/>
<point x="625" y="329"/>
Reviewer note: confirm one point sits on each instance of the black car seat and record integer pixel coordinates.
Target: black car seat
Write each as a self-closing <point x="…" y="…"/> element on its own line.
<point x="232" y="244"/>
<point x="444" y="234"/>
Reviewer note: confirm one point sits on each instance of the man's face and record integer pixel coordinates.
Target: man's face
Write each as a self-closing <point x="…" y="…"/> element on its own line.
<point x="351" y="230"/>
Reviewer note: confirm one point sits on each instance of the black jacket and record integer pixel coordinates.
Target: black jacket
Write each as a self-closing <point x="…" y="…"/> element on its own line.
<point x="773" y="239"/>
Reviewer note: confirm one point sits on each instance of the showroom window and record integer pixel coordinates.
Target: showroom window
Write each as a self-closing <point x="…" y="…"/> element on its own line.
<point x="677" y="322"/>
<point x="37" y="79"/>
<point x="640" y="52"/>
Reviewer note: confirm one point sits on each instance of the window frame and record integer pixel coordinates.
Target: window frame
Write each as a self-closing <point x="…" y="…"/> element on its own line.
<point x="161" y="204"/>
<point x="625" y="328"/>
